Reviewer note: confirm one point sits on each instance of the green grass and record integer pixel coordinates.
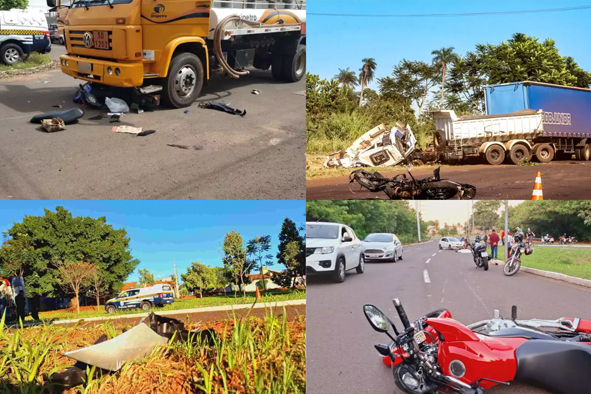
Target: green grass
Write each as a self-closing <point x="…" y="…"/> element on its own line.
<point x="187" y="303"/>
<point x="569" y="261"/>
<point x="35" y="60"/>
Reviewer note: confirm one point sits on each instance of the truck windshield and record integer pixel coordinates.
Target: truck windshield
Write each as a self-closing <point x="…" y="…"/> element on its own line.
<point x="322" y="231"/>
<point x="92" y="3"/>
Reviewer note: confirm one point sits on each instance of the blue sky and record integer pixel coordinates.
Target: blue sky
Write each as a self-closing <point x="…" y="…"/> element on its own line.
<point x="161" y="231"/>
<point x="341" y="42"/>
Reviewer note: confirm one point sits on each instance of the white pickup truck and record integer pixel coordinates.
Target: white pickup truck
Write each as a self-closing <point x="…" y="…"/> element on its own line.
<point x="493" y="137"/>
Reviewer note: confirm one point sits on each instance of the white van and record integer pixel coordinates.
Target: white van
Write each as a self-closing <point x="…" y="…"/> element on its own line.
<point x="22" y="33"/>
<point x="142" y="297"/>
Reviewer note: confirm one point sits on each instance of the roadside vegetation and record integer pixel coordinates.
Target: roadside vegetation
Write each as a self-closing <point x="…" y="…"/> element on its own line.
<point x="569" y="261"/>
<point x="251" y="355"/>
<point x="339" y="110"/>
<point x="34" y="60"/>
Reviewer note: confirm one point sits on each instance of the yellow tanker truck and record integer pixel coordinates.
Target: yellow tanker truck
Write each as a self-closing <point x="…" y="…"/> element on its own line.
<point x="177" y="44"/>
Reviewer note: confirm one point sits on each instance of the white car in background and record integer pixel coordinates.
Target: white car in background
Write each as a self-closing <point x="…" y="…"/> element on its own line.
<point x="450" y="243"/>
<point x="382" y="246"/>
<point x="333" y="248"/>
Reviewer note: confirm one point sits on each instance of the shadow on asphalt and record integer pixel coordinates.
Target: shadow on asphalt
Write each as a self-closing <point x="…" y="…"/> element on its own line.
<point x="19" y="97"/>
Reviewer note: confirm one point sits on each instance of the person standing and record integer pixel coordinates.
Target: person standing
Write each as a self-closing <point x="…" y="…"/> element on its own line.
<point x="494" y="245"/>
<point x="20" y="306"/>
<point x="503" y="237"/>
<point x="509" y="244"/>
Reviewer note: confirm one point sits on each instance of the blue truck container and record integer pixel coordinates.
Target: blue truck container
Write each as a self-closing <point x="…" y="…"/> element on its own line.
<point x="567" y="110"/>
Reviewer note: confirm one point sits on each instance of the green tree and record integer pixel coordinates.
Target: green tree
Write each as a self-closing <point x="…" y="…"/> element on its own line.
<point x="443" y="57"/>
<point x="97" y="286"/>
<point x="486" y="213"/>
<point x="235" y="262"/>
<point x="146" y="277"/>
<point x="366" y="75"/>
<point x="295" y="265"/>
<point x="346" y="78"/>
<point x="199" y="277"/>
<point x="7" y="5"/>
<point x="38" y="244"/>
<point x="259" y="248"/>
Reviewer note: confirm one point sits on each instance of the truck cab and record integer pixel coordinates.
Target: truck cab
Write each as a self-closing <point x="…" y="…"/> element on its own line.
<point x="177" y="44"/>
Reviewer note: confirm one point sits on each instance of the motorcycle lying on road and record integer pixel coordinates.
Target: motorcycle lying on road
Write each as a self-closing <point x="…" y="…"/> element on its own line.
<point x="481" y="258"/>
<point x="513" y="264"/>
<point x="437" y="354"/>
<point x="401" y="187"/>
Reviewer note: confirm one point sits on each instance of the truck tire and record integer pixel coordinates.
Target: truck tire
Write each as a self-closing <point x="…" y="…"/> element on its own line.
<point x="495" y="155"/>
<point x="519" y="153"/>
<point x="294" y="65"/>
<point x="277" y="67"/>
<point x="10" y="54"/>
<point x="184" y="81"/>
<point x="586" y="152"/>
<point x="439" y="139"/>
<point x="544" y="153"/>
<point x="577" y="153"/>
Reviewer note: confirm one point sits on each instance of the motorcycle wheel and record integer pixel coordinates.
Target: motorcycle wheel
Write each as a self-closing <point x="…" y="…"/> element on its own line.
<point x="477" y="262"/>
<point x="421" y="388"/>
<point x="485" y="264"/>
<point x="440" y="193"/>
<point x="469" y="192"/>
<point x="511" y="269"/>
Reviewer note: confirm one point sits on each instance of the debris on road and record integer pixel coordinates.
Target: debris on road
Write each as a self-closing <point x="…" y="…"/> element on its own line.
<point x="186" y="111"/>
<point x="116" y="105"/>
<point x="376" y="148"/>
<point x="195" y="147"/>
<point x="52" y="125"/>
<point x="96" y="117"/>
<point x="69" y="116"/>
<point x="256" y="91"/>
<point x="57" y="106"/>
<point x="222" y="107"/>
<point x="114" y="117"/>
<point x="126" y="129"/>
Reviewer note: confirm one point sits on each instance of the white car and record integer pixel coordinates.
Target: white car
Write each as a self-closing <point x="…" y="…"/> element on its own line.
<point x="333" y="248"/>
<point x="382" y="246"/>
<point x="450" y="243"/>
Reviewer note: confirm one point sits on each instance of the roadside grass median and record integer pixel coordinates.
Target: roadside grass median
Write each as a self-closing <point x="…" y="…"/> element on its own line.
<point x="569" y="261"/>
<point x="34" y="60"/>
<point x="249" y="355"/>
<point x="184" y="303"/>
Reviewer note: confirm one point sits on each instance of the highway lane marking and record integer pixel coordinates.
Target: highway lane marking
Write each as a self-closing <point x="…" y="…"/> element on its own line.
<point x="426" y="276"/>
<point x="433" y="255"/>
<point x="427" y="262"/>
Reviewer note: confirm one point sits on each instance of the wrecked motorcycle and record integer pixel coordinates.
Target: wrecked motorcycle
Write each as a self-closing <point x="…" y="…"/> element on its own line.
<point x="400" y="187"/>
<point x="437" y="354"/>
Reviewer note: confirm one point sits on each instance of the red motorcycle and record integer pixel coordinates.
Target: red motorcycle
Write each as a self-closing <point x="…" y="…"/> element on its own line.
<point x="437" y="354"/>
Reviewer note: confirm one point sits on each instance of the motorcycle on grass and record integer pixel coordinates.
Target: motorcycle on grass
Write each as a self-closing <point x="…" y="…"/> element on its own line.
<point x="437" y="354"/>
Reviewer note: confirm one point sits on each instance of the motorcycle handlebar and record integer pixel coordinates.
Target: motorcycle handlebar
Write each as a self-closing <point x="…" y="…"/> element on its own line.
<point x="401" y="313"/>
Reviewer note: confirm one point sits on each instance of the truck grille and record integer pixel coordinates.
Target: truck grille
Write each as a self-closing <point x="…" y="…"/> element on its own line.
<point x="76" y="38"/>
<point x="310" y="251"/>
<point x="374" y="251"/>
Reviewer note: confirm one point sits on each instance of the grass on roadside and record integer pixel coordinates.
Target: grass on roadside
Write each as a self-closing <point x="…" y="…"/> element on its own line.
<point x="35" y="60"/>
<point x="569" y="261"/>
<point x="250" y="355"/>
<point x="187" y="303"/>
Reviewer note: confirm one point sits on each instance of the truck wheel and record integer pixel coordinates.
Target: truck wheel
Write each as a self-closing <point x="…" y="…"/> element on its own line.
<point x="545" y="153"/>
<point x="294" y="65"/>
<point x="277" y="67"/>
<point x="578" y="153"/>
<point x="586" y="152"/>
<point x="10" y="54"/>
<point x="495" y="155"/>
<point x="439" y="139"/>
<point x="519" y="153"/>
<point x="184" y="81"/>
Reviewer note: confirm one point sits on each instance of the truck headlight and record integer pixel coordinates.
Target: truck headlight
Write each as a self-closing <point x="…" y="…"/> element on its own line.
<point x="325" y="250"/>
<point x="110" y="70"/>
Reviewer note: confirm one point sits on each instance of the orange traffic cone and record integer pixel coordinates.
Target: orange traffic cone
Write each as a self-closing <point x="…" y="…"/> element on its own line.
<point x="537" y="193"/>
<point x="258" y="293"/>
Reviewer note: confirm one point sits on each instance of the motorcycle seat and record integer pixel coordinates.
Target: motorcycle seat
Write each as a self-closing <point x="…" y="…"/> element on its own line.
<point x="557" y="366"/>
<point x="69" y="116"/>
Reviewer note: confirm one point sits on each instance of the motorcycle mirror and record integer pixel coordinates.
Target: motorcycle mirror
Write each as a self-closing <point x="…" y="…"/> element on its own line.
<point x="376" y="318"/>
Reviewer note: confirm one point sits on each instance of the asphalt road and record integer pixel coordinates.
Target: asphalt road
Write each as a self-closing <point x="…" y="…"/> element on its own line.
<point x="561" y="180"/>
<point x="259" y="156"/>
<point x="341" y="356"/>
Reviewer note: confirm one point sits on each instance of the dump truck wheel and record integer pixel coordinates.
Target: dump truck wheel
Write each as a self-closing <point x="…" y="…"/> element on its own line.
<point x="495" y="155"/>
<point x="586" y="152"/>
<point x="439" y="139"/>
<point x="10" y="54"/>
<point x="578" y="153"/>
<point x="184" y="81"/>
<point x="545" y="153"/>
<point x="277" y="67"/>
<point x="519" y="153"/>
<point x="294" y="65"/>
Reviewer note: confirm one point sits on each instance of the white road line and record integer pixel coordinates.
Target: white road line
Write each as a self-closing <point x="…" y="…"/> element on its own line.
<point x="426" y="276"/>
<point x="433" y="255"/>
<point x="427" y="262"/>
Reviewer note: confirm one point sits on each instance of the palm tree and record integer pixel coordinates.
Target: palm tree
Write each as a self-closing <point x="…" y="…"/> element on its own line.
<point x="443" y="57"/>
<point x="366" y="74"/>
<point x="346" y="78"/>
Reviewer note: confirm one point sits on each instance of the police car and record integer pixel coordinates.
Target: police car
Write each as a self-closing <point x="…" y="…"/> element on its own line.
<point x="21" y="33"/>
<point x="144" y="298"/>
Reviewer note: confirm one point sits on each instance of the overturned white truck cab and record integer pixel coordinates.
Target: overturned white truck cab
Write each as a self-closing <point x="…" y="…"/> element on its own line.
<point x="378" y="147"/>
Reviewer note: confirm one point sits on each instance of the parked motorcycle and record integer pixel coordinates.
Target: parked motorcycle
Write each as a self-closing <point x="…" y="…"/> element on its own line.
<point x="481" y="258"/>
<point x="401" y="187"/>
<point x="437" y="354"/>
<point x="547" y="240"/>
<point x="513" y="264"/>
<point x="567" y="240"/>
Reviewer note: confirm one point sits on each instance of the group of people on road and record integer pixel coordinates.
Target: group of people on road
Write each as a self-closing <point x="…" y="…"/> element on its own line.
<point x="494" y="238"/>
